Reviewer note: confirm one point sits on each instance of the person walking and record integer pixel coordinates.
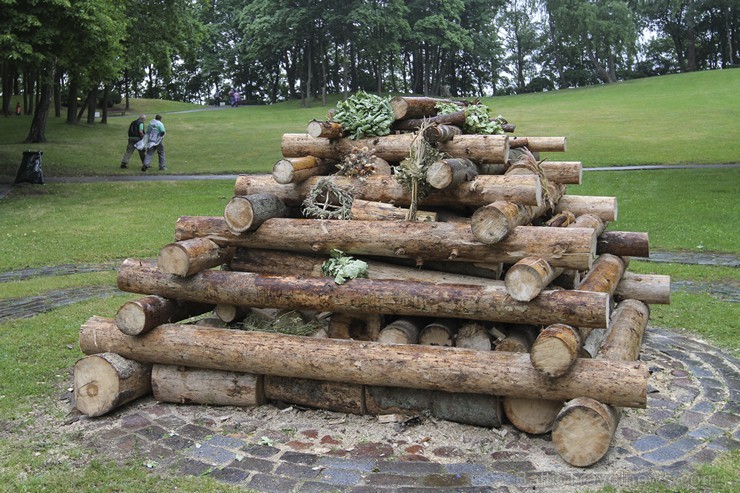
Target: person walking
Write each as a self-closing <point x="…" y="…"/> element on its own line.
<point x="135" y="134"/>
<point x="155" y="142"/>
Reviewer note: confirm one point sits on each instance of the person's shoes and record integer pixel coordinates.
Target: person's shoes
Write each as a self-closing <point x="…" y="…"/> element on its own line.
<point x="163" y="168"/>
<point x="124" y="165"/>
<point x="144" y="167"/>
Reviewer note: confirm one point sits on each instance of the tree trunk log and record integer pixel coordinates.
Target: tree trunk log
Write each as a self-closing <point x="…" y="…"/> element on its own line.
<point x="142" y="315"/>
<point x="231" y="313"/>
<point x="325" y="129"/>
<point x="441" y="332"/>
<point x="395" y="147"/>
<point x="471" y="409"/>
<point x="624" y="244"/>
<point x="185" y="258"/>
<point x="528" y="277"/>
<point x="183" y="385"/>
<point x="354" y="326"/>
<point x="473" y="335"/>
<point x="451" y="172"/>
<point x="540" y="144"/>
<point x="300" y="169"/>
<point x="563" y="247"/>
<point x="404" y="330"/>
<point x="106" y="381"/>
<point x="556" y="349"/>
<point x="585" y="427"/>
<point x="396" y="365"/>
<point x="453" y="120"/>
<point x="364" y="210"/>
<point x="605" y="208"/>
<point x="565" y="172"/>
<point x="648" y="288"/>
<point x="534" y="416"/>
<point x="248" y="212"/>
<point x="441" y="133"/>
<point x="332" y="396"/>
<point x="405" y="107"/>
<point x="481" y="191"/>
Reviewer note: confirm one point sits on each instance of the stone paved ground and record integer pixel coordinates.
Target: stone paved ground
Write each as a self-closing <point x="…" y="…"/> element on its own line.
<point x="691" y="417"/>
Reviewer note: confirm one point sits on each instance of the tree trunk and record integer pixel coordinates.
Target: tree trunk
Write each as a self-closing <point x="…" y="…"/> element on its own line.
<point x="528" y="277"/>
<point x="440" y="332"/>
<point x="404" y="330"/>
<point x="473" y="335"/>
<point x="325" y="130"/>
<point x="104" y="382"/>
<point x="395" y="147"/>
<point x="451" y="172"/>
<point x="73" y="90"/>
<point x="332" y="396"/>
<point x="572" y="248"/>
<point x="299" y="169"/>
<point x="441" y="133"/>
<point x="92" y="100"/>
<point x="605" y="208"/>
<point x="185" y="258"/>
<point x="245" y="213"/>
<point x="648" y="288"/>
<point x="585" y="427"/>
<point x="183" y="385"/>
<point x="405" y="107"/>
<point x="104" y="109"/>
<point x="364" y="210"/>
<point x="142" y="315"/>
<point x="556" y="349"/>
<point x="360" y="362"/>
<point x="455" y="120"/>
<point x="624" y="244"/>
<point x="540" y="144"/>
<point x="37" y="133"/>
<point x="355" y="326"/>
<point x="523" y="189"/>
<point x="231" y="313"/>
<point x="565" y="172"/>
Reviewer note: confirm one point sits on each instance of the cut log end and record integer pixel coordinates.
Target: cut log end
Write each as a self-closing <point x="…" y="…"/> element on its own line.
<point x="239" y="214"/>
<point x="583" y="431"/>
<point x="283" y="172"/>
<point x="527" y="278"/>
<point x="173" y="259"/>
<point x="534" y="416"/>
<point x="131" y="318"/>
<point x="103" y="382"/>
<point x="494" y="222"/>
<point x="555" y="350"/>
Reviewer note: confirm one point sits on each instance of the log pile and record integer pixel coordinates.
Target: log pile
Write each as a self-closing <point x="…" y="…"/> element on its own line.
<point x="494" y="298"/>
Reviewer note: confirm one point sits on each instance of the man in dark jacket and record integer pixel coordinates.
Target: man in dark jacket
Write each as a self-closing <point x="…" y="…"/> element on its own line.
<point x="135" y="134"/>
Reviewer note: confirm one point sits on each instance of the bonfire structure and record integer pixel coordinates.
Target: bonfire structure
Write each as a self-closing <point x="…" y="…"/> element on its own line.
<point x="437" y="265"/>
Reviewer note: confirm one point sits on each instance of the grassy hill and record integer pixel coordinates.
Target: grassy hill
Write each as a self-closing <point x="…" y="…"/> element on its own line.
<point x="685" y="118"/>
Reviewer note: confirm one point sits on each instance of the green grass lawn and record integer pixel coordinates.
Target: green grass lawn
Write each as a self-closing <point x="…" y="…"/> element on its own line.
<point x="686" y="118"/>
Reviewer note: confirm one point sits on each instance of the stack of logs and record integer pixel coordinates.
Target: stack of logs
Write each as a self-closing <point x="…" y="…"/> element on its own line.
<point x="504" y="296"/>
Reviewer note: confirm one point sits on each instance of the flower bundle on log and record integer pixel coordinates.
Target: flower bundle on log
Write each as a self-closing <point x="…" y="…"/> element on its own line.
<point x="435" y="271"/>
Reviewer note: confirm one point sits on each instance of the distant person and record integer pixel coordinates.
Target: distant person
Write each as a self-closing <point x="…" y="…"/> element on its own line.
<point x="154" y="142"/>
<point x="18" y="109"/>
<point x="231" y="98"/>
<point x="237" y="98"/>
<point x="135" y="134"/>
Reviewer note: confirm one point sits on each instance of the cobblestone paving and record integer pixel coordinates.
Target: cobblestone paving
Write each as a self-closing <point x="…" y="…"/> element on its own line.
<point x="691" y="417"/>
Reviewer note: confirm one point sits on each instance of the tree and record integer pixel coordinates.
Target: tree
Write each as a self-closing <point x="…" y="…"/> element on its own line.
<point x="521" y="39"/>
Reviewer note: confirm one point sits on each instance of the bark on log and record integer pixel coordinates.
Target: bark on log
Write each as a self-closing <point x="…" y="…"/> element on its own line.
<point x="451" y="172"/>
<point x="396" y="365"/>
<point x="395" y="297"/>
<point x="585" y="427"/>
<point x="275" y="262"/>
<point x="142" y="315"/>
<point x="440" y="332"/>
<point x="395" y="147"/>
<point x="332" y="396"/>
<point x="624" y="244"/>
<point x="441" y="133"/>
<point x="540" y="144"/>
<point x="648" y="288"/>
<point x="365" y="210"/>
<point x="456" y="120"/>
<point x="185" y="258"/>
<point x="325" y="129"/>
<point x="379" y="188"/>
<point x="404" y="330"/>
<point x="563" y="247"/>
<point x="405" y="107"/>
<point x="106" y="381"/>
<point x="299" y="169"/>
<point x="473" y="335"/>
<point x="494" y="222"/>
<point x="605" y="208"/>
<point x="565" y="172"/>
<point x="534" y="416"/>
<point x="183" y="385"/>
<point x="472" y="409"/>
<point x="247" y="212"/>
